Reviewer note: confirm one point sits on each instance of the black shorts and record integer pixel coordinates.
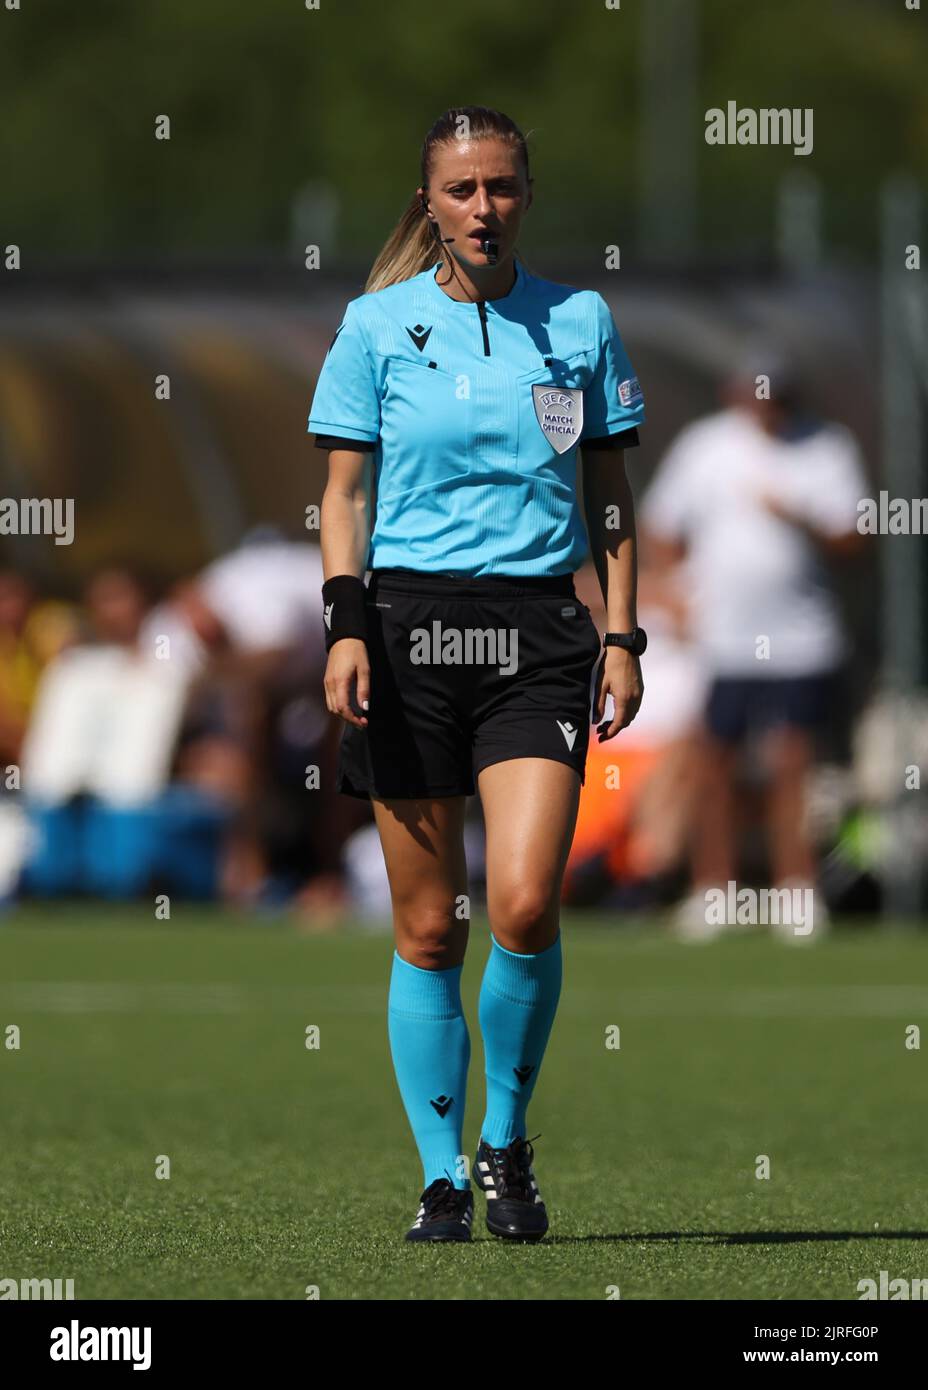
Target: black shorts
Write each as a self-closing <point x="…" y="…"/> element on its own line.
<point x="465" y="673"/>
<point x="737" y="705"/>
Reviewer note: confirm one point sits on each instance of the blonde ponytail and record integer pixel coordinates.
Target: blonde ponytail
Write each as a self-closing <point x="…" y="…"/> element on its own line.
<point x="410" y="248"/>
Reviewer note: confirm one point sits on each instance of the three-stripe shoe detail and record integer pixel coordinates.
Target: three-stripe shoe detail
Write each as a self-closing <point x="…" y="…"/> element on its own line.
<point x="445" y="1213"/>
<point x="515" y="1210"/>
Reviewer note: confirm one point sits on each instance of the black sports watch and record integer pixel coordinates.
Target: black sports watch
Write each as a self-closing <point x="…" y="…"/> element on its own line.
<point x="635" y="641"/>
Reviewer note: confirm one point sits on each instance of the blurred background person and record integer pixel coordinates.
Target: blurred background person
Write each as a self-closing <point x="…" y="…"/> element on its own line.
<point x="32" y="632"/>
<point x="97" y="758"/>
<point x="636" y="805"/>
<point x="248" y="629"/>
<point x="753" y="501"/>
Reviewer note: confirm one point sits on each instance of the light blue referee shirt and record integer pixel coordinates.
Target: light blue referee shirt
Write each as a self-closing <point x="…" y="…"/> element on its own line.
<point x="473" y="413"/>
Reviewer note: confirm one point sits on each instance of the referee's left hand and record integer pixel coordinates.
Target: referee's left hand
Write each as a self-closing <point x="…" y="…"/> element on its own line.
<point x="619" y="675"/>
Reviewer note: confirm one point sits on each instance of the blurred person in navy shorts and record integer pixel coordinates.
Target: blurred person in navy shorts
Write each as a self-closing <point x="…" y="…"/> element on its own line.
<point x="753" y="501"/>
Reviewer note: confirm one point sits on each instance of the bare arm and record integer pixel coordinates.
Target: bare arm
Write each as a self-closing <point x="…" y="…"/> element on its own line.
<point x="843" y="545"/>
<point x="345" y="517"/>
<point x="345" y="535"/>
<point x="610" y="519"/>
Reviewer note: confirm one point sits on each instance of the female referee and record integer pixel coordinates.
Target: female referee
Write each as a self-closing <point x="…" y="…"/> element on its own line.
<point x="464" y="385"/>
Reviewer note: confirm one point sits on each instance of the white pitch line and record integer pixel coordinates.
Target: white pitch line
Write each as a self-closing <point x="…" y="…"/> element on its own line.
<point x="907" y="1003"/>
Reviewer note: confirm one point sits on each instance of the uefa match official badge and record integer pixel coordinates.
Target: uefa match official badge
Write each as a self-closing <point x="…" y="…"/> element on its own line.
<point x="559" y="412"/>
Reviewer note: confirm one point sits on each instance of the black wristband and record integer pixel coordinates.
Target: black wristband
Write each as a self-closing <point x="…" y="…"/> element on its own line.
<point x="343" y="611"/>
<point x="635" y="641"/>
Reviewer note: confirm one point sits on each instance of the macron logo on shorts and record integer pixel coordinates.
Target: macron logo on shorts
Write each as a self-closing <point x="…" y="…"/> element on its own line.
<point x="327" y="615"/>
<point x="570" y="733"/>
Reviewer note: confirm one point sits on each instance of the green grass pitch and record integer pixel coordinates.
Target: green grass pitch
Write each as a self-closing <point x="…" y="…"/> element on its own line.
<point x="293" y="1168"/>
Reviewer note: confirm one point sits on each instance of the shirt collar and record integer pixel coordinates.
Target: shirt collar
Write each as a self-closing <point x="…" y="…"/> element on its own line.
<point x="497" y="305"/>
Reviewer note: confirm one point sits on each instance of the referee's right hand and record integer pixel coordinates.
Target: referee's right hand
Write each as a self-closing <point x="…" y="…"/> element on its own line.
<point x="348" y="666"/>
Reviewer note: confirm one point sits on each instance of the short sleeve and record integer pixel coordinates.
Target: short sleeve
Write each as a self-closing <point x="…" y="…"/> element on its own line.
<point x="337" y="441"/>
<point x="613" y="401"/>
<point x="837" y="484"/>
<point x="346" y="402"/>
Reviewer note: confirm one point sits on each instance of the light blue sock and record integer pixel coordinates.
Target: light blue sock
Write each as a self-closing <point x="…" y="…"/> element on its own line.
<point x="430" y="1046"/>
<point x="518" y="1001"/>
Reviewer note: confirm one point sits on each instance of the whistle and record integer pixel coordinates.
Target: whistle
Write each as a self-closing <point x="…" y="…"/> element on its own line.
<point x="490" y="249"/>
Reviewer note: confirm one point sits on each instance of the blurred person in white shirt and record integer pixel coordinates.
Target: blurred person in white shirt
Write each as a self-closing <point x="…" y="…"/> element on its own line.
<point x="97" y="759"/>
<point x="753" y="501"/>
<point x="249" y="629"/>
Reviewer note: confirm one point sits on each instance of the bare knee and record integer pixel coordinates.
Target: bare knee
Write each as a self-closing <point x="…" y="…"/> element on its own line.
<point x="790" y="752"/>
<point x="524" y="918"/>
<point x="430" y="935"/>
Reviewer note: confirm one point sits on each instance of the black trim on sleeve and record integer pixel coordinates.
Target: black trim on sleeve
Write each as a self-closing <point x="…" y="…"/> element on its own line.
<point x="625" y="439"/>
<point x="338" y="441"/>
